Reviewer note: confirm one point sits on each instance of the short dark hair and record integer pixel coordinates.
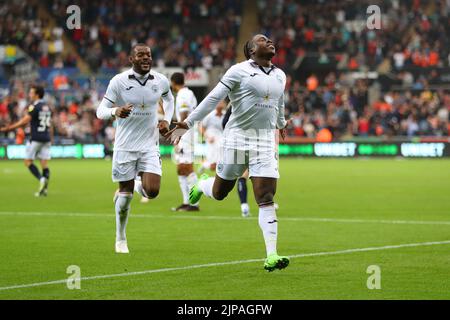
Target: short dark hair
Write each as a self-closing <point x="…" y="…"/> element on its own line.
<point x="39" y="90"/>
<point x="177" y="78"/>
<point x="140" y="44"/>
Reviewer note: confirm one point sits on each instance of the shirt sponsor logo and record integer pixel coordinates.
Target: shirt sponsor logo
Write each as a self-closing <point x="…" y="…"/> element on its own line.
<point x="263" y="105"/>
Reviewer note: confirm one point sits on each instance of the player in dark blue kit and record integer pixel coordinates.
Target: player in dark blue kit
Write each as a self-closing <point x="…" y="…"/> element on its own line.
<point x="39" y="116"/>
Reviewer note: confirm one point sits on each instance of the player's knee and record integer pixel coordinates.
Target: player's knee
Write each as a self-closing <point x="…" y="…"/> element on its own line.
<point x="151" y="192"/>
<point x="265" y="198"/>
<point x="219" y="195"/>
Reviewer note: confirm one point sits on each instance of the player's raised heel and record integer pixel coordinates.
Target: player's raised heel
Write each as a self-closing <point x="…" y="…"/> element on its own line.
<point x="195" y="193"/>
<point x="275" y="261"/>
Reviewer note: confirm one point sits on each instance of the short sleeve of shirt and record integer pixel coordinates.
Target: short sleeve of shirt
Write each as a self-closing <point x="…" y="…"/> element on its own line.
<point x="112" y="94"/>
<point x="31" y="109"/>
<point x="183" y="103"/>
<point x="231" y="78"/>
<point x="165" y="85"/>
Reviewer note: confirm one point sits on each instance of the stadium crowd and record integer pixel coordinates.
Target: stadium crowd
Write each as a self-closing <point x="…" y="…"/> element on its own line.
<point x="42" y="42"/>
<point x="415" y="34"/>
<point x="182" y="33"/>
<point x="343" y="107"/>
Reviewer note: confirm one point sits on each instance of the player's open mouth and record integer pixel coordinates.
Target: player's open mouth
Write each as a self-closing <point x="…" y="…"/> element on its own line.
<point x="145" y="64"/>
<point x="271" y="46"/>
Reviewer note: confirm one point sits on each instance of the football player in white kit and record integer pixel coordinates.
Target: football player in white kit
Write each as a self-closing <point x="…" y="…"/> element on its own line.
<point x="212" y="131"/>
<point x="256" y="91"/>
<point x="132" y="98"/>
<point x="185" y="103"/>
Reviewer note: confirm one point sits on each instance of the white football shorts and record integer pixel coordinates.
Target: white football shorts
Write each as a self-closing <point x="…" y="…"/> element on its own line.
<point x="233" y="163"/>
<point x="184" y="150"/>
<point x="36" y="149"/>
<point x="127" y="164"/>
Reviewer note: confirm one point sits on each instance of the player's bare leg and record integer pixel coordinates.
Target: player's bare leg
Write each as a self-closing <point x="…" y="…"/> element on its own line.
<point x="122" y="200"/>
<point x="151" y="184"/>
<point x="213" y="187"/>
<point x="147" y="184"/>
<point x="264" y="190"/>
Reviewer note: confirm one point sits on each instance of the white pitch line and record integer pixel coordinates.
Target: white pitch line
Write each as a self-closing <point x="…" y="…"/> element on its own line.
<point x="201" y="217"/>
<point x="216" y="264"/>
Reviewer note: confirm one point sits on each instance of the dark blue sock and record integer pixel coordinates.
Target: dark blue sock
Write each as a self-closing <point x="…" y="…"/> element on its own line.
<point x="34" y="171"/>
<point x="46" y="173"/>
<point x="242" y="190"/>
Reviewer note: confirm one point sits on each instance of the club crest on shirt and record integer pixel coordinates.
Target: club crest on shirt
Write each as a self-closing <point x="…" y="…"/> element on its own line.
<point x="279" y="78"/>
<point x="155" y="88"/>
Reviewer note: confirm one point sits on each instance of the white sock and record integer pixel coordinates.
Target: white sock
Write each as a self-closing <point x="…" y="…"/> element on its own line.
<point x="122" y="210"/>
<point x="269" y="227"/>
<point x="206" y="186"/>
<point x="191" y="181"/>
<point x="184" y="188"/>
<point x="138" y="187"/>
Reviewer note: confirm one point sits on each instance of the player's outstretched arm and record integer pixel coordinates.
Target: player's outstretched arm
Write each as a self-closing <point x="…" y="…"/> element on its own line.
<point x="207" y="105"/>
<point x="22" y="122"/>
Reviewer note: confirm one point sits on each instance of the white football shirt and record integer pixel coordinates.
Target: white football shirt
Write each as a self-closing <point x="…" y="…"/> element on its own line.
<point x="257" y="98"/>
<point x="139" y="132"/>
<point x="213" y="124"/>
<point x="185" y="101"/>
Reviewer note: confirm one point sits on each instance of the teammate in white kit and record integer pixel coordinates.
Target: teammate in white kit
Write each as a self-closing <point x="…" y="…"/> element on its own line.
<point x="132" y="98"/>
<point x="185" y="103"/>
<point x="212" y="132"/>
<point x="256" y="91"/>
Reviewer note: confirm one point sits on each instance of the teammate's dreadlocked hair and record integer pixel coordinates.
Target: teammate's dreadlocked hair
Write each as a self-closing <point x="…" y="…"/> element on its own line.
<point x="247" y="49"/>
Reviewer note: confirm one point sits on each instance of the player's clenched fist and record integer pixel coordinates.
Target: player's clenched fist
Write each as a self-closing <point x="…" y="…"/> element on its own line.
<point x="124" y="112"/>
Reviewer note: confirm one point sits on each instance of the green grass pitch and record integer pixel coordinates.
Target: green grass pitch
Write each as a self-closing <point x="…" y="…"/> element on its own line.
<point x="328" y="208"/>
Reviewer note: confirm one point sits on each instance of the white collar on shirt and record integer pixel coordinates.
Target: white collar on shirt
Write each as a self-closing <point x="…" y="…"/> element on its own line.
<point x="140" y="76"/>
<point x="265" y="69"/>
